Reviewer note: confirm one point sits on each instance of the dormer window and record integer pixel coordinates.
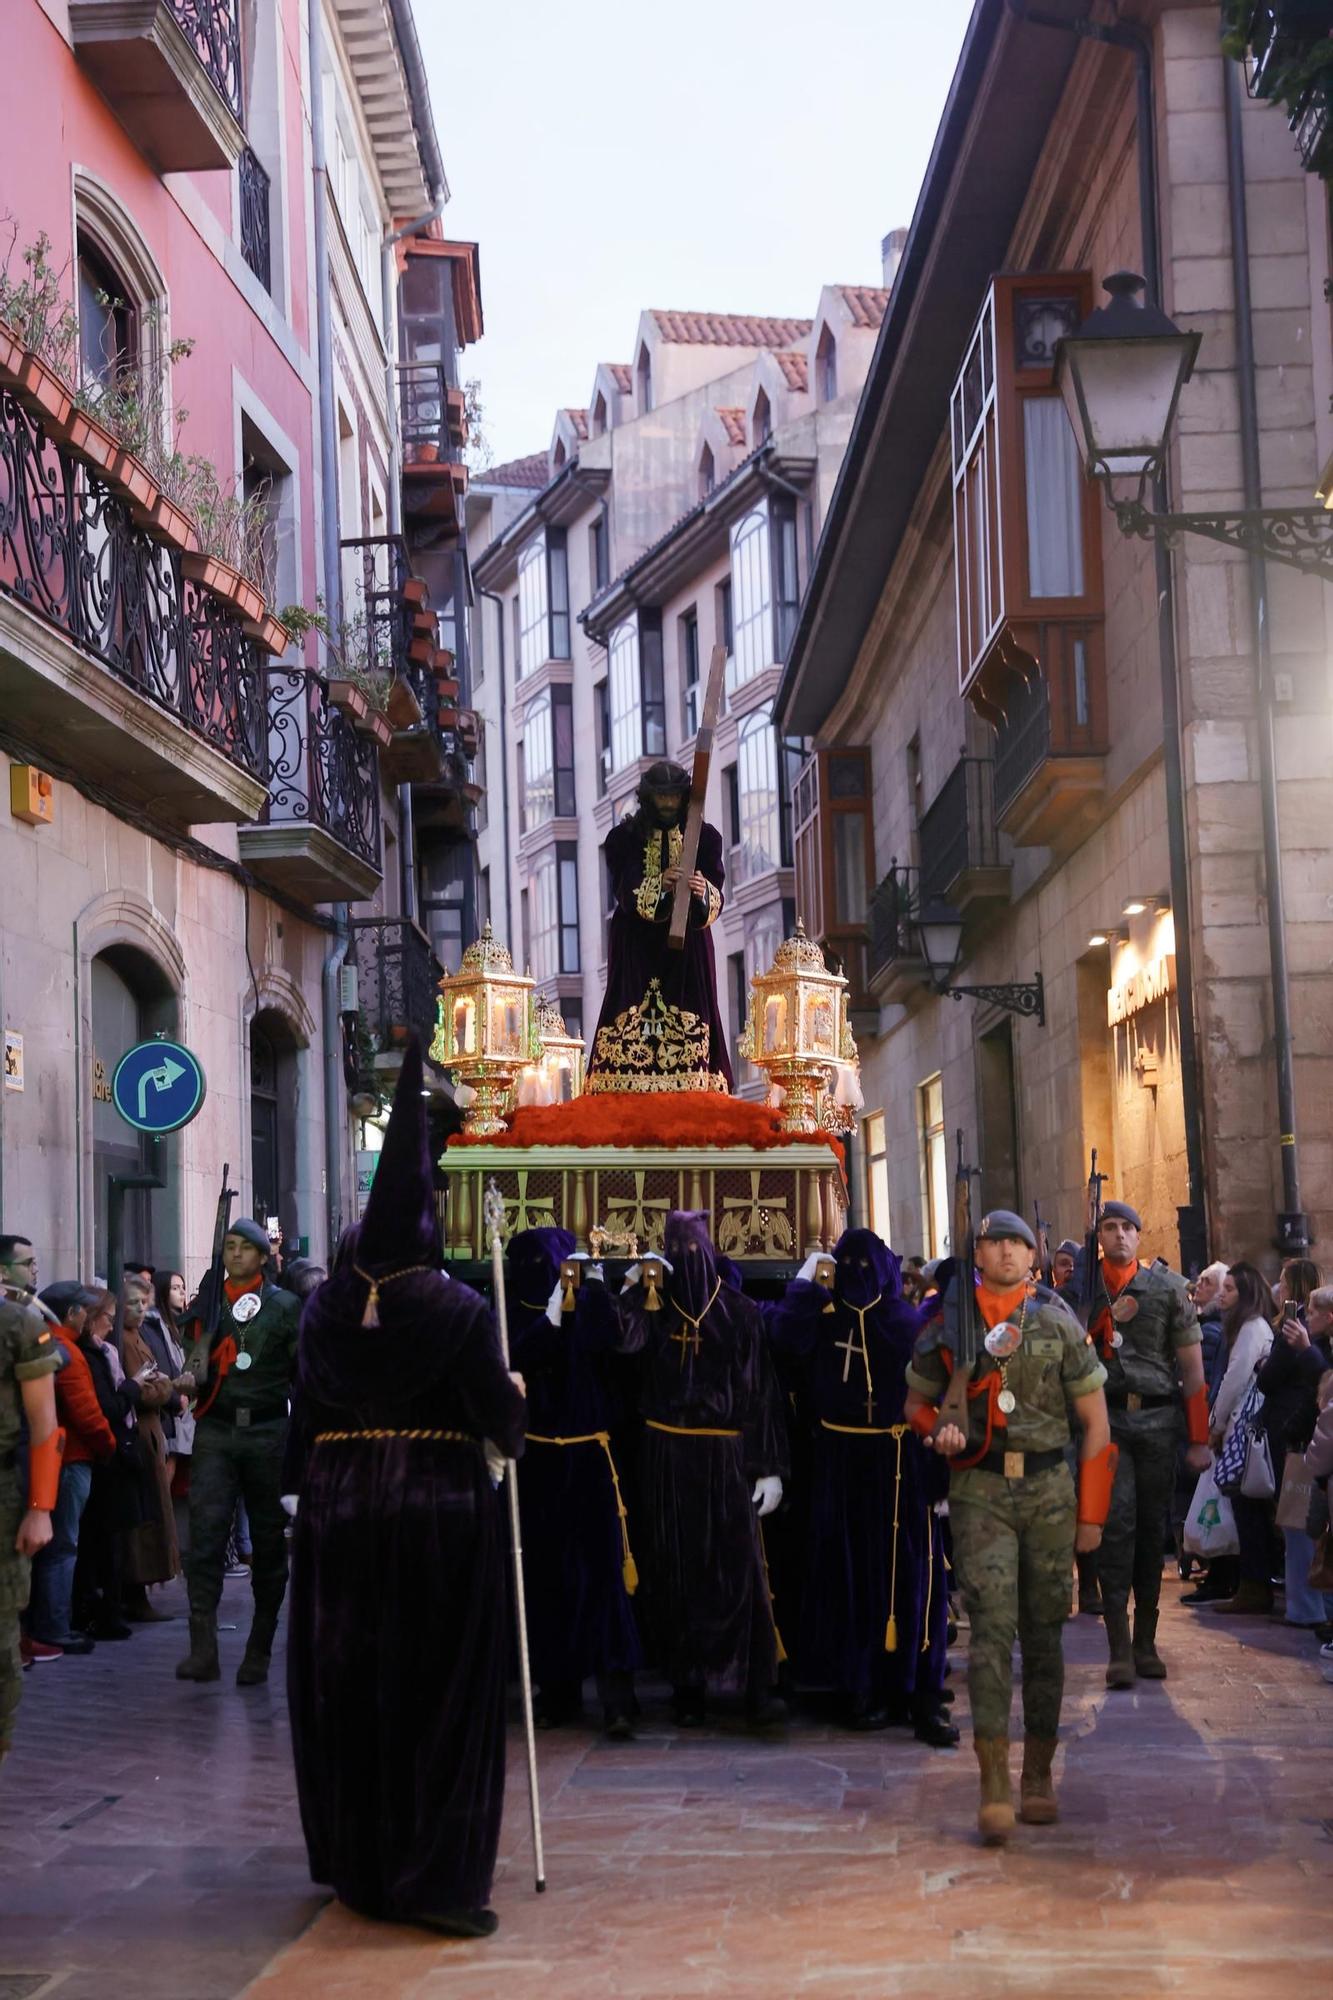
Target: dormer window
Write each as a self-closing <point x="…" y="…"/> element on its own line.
<point x="599" y="415"/>
<point x="762" y="425"/>
<point x="826" y="367"/>
<point x="559" y="455"/>
<point x="707" y="472"/>
<point x="645" y="374"/>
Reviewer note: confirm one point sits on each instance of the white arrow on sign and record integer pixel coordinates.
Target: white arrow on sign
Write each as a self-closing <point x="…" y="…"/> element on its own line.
<point x="161" y="1078"/>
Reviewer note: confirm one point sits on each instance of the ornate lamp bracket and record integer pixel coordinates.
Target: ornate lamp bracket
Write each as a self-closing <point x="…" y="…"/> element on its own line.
<point x="1017" y="997"/>
<point x="1300" y="537"/>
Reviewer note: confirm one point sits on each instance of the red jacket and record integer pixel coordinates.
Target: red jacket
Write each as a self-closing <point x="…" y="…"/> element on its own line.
<point x="89" y="1438"/>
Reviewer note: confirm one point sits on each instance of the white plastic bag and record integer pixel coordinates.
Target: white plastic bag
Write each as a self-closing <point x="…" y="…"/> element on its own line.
<point x="1210" y="1525"/>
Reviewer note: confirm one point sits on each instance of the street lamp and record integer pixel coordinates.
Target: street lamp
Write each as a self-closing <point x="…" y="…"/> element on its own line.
<point x="1120" y="374"/>
<point x="940" y="929"/>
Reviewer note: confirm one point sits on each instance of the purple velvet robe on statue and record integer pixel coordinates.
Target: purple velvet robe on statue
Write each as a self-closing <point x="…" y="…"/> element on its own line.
<point x="396" y="1661"/>
<point x="580" y="1620"/>
<point x="674" y="1037"/>
<point x="860" y="1567"/>
<point x="705" y="1367"/>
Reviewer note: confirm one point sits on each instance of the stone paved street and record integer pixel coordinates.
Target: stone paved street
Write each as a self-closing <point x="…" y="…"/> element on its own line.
<point x="152" y="1850"/>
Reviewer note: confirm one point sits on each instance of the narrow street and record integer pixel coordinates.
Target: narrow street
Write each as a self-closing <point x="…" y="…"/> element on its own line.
<point x="152" y="1849"/>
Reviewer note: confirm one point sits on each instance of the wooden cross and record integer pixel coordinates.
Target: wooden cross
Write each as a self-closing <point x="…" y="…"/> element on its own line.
<point x="694" y="815"/>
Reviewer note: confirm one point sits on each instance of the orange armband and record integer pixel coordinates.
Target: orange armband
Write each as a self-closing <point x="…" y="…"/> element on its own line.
<point x="44" y="1471"/>
<point x="1096" y="1477"/>
<point x="924" y="1420"/>
<point x="1196" y="1415"/>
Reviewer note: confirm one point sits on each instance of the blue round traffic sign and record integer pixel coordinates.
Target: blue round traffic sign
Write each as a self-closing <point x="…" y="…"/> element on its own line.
<point x="158" y="1086"/>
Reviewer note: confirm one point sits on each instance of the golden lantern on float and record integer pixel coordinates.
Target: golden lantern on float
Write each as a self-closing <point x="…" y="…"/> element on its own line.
<point x="485" y="1030"/>
<point x="799" y="1035"/>
<point x="561" y="1054"/>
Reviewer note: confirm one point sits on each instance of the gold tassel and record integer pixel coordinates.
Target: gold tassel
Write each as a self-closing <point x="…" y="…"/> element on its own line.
<point x="567" y="1297"/>
<point x="371" y="1315"/>
<point x="629" y="1569"/>
<point x="829" y="1307"/>
<point x="652" y="1303"/>
<point x="891" y="1634"/>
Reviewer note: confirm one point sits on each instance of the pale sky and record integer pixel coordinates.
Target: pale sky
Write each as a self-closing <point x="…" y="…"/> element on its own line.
<point x="610" y="155"/>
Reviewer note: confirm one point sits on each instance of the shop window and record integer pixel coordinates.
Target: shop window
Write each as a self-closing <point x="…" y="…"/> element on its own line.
<point x="934" y="1167"/>
<point x="876" y="1151"/>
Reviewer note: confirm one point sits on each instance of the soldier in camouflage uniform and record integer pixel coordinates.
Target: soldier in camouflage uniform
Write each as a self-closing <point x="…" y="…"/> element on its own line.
<point x="1012" y="1503"/>
<point x="29" y="1361"/>
<point x="244" y="1376"/>
<point x="1144" y="1325"/>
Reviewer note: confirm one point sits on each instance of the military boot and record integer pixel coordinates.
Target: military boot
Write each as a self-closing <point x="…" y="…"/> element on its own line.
<point x="1089" y="1586"/>
<point x="1120" y="1672"/>
<point x="1037" y="1805"/>
<point x="995" y="1820"/>
<point x="1148" y="1662"/>
<point x="253" y="1670"/>
<point x="201" y="1663"/>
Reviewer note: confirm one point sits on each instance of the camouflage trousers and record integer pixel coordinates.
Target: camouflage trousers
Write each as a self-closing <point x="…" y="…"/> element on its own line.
<point x="230" y="1465"/>
<point x="1133" y="1539"/>
<point x="1013" y="1542"/>
<point x="14" y="1571"/>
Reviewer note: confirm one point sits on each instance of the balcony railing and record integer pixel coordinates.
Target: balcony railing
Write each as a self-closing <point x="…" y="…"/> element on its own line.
<point x="70" y="551"/>
<point x="894" y="909"/>
<point x="256" y="241"/>
<point x="383" y="576"/>
<point x="1022" y="740"/>
<point x="398" y="979"/>
<point x="323" y="772"/>
<point x="431" y="412"/>
<point x="957" y="831"/>
<point x="213" y="30"/>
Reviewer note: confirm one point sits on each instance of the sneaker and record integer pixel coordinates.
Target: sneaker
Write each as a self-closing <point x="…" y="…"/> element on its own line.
<point x="1326" y="1662"/>
<point x="39" y="1653"/>
<point x="237" y="1569"/>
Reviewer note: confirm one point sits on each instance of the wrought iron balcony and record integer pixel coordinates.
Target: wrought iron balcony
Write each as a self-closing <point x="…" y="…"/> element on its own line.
<point x="256" y="239"/>
<point x="896" y="965"/>
<point x="81" y="583"/>
<point x="171" y="71"/>
<point x="1282" y="35"/>
<point x="1050" y="767"/>
<point x="960" y="855"/>
<point x="433" y="421"/>
<point x="398" y="979"/>
<point x="319" y="838"/>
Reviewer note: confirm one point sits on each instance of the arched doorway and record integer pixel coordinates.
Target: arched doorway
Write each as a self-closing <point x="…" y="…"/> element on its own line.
<point x="132" y="998"/>
<point x="273" y="1115"/>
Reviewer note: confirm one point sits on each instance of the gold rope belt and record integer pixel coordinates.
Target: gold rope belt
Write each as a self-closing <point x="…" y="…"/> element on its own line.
<point x="897" y="1432"/>
<point x="863" y="1430"/>
<point x="447" y="1437"/>
<point x="688" y="1430"/>
<point x="628" y="1567"/>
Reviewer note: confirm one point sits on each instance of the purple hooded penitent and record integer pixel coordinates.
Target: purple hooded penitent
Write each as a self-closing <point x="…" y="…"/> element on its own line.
<point x="396" y="1660"/>
<point x="849" y="1357"/>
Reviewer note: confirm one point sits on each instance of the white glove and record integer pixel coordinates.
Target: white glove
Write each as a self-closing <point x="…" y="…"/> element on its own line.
<point x="807" y="1270"/>
<point x="632" y="1275"/>
<point x="495" y="1460"/>
<point x="553" y="1304"/>
<point x="290" y="1503"/>
<point x="767" y="1494"/>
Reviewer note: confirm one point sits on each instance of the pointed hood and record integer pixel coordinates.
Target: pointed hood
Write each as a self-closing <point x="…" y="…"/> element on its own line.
<point x="399" y="1226"/>
<point x="532" y="1259"/>
<point x="864" y="1269"/>
<point x="689" y="1250"/>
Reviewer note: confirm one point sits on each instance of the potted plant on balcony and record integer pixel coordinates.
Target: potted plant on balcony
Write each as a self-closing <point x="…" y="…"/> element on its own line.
<point x="38" y="334"/>
<point x="416" y="593"/>
<point x="401" y="705"/>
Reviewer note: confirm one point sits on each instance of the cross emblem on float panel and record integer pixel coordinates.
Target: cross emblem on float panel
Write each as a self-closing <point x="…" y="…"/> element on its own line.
<point x="637" y="1213"/>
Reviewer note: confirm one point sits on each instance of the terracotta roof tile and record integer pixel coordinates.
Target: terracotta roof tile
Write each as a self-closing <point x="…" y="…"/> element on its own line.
<point x="621" y="374"/>
<point x="533" y="472"/>
<point x="579" y="419"/>
<point x="733" y="423"/>
<point x="795" y="370"/>
<point x="867" y="303"/>
<point x="704" y="329"/>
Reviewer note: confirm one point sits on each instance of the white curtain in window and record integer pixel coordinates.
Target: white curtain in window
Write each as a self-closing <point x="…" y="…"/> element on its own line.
<point x="751" y="598"/>
<point x="1054" y="483"/>
<point x="626" y="711"/>
<point x="757" y="782"/>
<point x="539" y="762"/>
<point x="532" y="607"/>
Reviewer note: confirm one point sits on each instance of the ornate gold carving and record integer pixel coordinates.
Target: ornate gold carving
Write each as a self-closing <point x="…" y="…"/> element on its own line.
<point x="714" y="906"/>
<point x="749" y="1223"/>
<point x="654" y="1046"/>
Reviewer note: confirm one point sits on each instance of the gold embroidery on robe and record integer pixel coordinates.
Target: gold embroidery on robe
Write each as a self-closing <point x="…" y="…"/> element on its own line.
<point x="653" y="1046"/>
<point x="650" y="892"/>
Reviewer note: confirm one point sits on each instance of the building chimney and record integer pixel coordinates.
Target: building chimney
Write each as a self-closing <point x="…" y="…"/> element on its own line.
<point x="891" y="253"/>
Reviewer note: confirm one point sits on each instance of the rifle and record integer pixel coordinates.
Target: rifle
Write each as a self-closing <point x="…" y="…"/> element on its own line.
<point x="1043" y="1236"/>
<point x="964" y="1321"/>
<point x="694" y="813"/>
<point x="1092" y="1248"/>
<point x="208" y="1299"/>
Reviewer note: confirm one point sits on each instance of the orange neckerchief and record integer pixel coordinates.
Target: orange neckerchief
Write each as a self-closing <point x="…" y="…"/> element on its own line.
<point x="236" y="1288"/>
<point x="997" y="1306"/>
<point x="1115" y="1277"/>
<point x="224" y="1354"/>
